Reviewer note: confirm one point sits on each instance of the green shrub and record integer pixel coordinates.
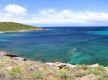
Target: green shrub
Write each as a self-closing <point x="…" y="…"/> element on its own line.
<point x="99" y="70"/>
<point x="66" y="74"/>
<point x="15" y="72"/>
<point x="37" y="75"/>
<point x="79" y="74"/>
<point x="103" y="77"/>
<point x="84" y="67"/>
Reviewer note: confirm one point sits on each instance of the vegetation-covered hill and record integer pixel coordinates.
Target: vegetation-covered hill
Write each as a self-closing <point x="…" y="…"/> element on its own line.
<point x="13" y="27"/>
<point x="16" y="68"/>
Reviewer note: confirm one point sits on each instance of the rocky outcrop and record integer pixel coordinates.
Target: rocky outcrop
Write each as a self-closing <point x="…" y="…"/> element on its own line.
<point x="4" y="53"/>
<point x="15" y="57"/>
<point x="60" y="65"/>
<point x="19" y="58"/>
<point x="31" y="68"/>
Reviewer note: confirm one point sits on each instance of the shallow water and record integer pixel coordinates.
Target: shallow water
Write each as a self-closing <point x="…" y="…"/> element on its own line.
<point x="78" y="45"/>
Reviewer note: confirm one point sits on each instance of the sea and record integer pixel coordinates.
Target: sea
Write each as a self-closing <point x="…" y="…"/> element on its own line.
<point x="74" y="45"/>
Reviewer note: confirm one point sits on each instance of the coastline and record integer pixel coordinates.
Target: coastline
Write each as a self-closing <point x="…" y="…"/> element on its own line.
<point x="22" y="30"/>
<point x="16" y="27"/>
<point x="14" y="67"/>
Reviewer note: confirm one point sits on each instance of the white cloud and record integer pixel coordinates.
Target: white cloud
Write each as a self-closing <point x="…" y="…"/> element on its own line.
<point x="70" y="17"/>
<point x="13" y="12"/>
<point x="15" y="9"/>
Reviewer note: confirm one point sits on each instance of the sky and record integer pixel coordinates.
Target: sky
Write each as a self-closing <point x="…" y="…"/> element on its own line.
<point x="55" y="12"/>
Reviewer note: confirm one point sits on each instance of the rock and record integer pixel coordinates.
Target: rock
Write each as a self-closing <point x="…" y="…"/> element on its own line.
<point x="3" y="77"/>
<point x="70" y="65"/>
<point x="60" y="65"/>
<point x="19" y="58"/>
<point x="4" y="53"/>
<point x="12" y="55"/>
<point x="33" y="67"/>
<point x="94" y="65"/>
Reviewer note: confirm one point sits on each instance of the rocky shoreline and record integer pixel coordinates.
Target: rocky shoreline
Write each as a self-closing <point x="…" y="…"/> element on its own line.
<point x="15" y="57"/>
<point x="22" y="30"/>
<point x="54" y="64"/>
<point x="13" y="67"/>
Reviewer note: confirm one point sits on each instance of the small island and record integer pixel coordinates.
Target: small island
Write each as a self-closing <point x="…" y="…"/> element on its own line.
<point x="16" y="27"/>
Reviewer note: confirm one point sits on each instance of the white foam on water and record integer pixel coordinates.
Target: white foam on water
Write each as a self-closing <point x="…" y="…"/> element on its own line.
<point x="48" y="29"/>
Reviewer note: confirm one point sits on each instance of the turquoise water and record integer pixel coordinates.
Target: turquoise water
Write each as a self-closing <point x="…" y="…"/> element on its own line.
<point x="78" y="45"/>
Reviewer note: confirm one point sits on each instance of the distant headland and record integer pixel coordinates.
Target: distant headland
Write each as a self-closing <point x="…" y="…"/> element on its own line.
<point x="16" y="27"/>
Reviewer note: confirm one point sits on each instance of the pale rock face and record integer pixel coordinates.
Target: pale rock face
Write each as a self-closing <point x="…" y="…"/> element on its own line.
<point x="31" y="68"/>
<point x="19" y="58"/>
<point x="94" y="65"/>
<point x="15" y="57"/>
<point x="60" y="65"/>
<point x="4" y="53"/>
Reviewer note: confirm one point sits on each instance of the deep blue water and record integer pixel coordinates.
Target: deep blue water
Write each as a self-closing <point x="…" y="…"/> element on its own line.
<point x="75" y="45"/>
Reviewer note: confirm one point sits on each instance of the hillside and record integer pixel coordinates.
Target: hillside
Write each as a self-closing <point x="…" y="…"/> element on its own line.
<point x="13" y="67"/>
<point x="13" y="27"/>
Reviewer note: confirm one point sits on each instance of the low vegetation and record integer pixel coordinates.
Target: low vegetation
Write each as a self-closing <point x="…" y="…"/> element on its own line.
<point x="12" y="27"/>
<point x="11" y="69"/>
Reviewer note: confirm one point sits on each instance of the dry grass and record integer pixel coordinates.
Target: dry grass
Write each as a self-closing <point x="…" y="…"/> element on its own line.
<point x="32" y="70"/>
